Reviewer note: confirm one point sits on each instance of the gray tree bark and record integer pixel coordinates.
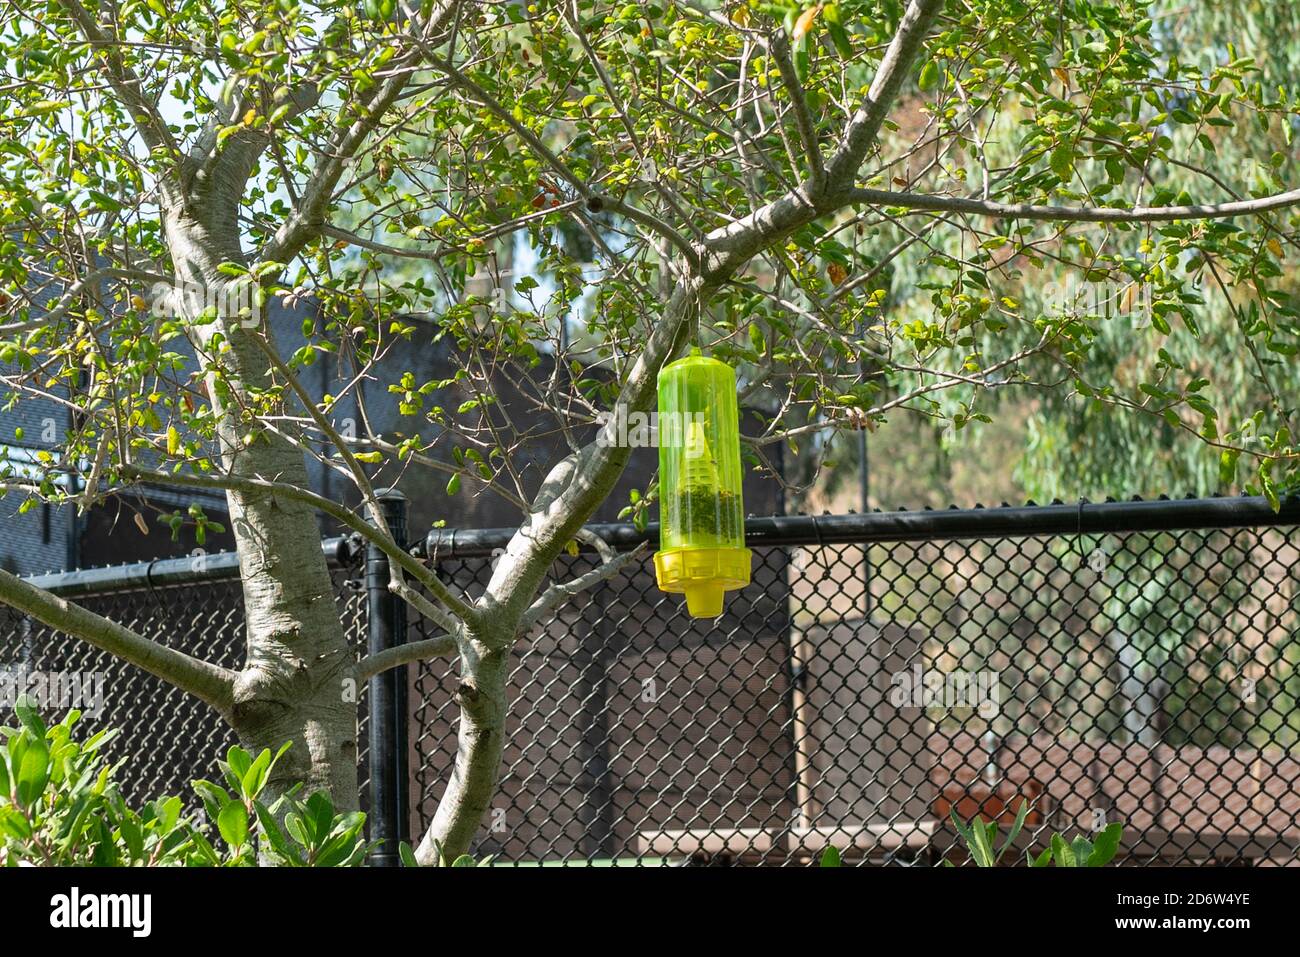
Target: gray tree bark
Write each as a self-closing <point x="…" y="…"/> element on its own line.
<point x="291" y="688"/>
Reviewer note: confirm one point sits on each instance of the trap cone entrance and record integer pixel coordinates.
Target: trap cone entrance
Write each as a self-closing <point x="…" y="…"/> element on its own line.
<point x="702" y="552"/>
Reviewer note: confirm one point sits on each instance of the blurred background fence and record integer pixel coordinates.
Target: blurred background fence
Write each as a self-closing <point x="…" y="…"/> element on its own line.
<point x="1130" y="661"/>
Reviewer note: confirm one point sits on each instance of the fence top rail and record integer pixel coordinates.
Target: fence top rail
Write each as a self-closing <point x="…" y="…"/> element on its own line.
<point x="950" y="524"/>
<point x="190" y="569"/>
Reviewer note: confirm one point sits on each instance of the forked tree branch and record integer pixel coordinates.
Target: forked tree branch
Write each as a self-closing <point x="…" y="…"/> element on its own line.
<point x="577" y="485"/>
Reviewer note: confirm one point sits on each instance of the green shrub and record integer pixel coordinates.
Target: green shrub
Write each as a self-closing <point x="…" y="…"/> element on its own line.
<point x="60" y="805"/>
<point x="981" y="838"/>
<point x="1080" y="852"/>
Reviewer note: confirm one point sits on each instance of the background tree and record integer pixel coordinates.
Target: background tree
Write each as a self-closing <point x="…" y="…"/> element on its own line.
<point x="739" y="174"/>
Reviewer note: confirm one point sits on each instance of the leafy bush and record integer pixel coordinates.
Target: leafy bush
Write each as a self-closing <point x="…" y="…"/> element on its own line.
<point x="1081" y="852"/>
<point x="60" y="806"/>
<point x="981" y="837"/>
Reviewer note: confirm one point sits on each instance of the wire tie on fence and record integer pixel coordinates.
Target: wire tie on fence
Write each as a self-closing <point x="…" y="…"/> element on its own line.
<point x="148" y="583"/>
<point x="1078" y="529"/>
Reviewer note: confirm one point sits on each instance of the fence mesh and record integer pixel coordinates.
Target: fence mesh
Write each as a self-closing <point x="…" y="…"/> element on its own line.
<point x="1146" y="678"/>
<point x="1141" y="677"/>
<point x="166" y="738"/>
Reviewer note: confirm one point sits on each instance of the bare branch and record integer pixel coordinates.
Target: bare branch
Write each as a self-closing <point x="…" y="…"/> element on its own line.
<point x="421" y="604"/>
<point x="441" y="647"/>
<point x="558" y="594"/>
<point x="1075" y="214"/>
<point x="780" y="47"/>
<point x="458" y="606"/>
<point x="354" y="469"/>
<point x="205" y="681"/>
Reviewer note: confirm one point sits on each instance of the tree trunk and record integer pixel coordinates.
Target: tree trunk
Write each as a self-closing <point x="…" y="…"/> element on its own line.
<point x="1140" y="692"/>
<point x="480" y="740"/>
<point x="298" y="681"/>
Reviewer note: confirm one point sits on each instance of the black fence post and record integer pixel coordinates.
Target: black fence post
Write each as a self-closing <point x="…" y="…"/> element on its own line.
<point x="386" y="628"/>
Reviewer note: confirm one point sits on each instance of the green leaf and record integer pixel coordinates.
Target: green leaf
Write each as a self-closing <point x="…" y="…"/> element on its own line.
<point x="1061" y="852"/>
<point x="407" y="855"/>
<point x="1106" y="845"/>
<point x="840" y="37"/>
<point x="14" y="823"/>
<point x="1062" y="162"/>
<point x="830" y="857"/>
<point x="1016" y="827"/>
<point x="275" y="836"/>
<point x="929" y="76"/>
<point x="213" y="796"/>
<point x="33" y="773"/>
<point x="464" y="861"/>
<point x="239" y="761"/>
<point x="1082" y="850"/>
<point x="232" y="822"/>
<point x="961" y="828"/>
<point x="255" y="777"/>
<point x="25" y="708"/>
<point x="321" y="810"/>
<point x="132" y="835"/>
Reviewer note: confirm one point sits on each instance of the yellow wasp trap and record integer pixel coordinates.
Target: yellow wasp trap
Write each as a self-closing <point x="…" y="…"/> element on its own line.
<point x="702" y="551"/>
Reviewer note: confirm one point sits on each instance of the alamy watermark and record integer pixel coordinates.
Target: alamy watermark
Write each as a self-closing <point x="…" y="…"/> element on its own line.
<point x="239" y="298"/>
<point x="1111" y="300"/>
<point x="77" y="909"/>
<point x="54" y="691"/>
<point x="641" y="430"/>
<point x="930" y="688"/>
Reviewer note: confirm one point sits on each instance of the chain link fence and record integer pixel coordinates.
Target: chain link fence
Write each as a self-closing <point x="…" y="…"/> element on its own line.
<point x="1131" y="662"/>
<point x="166" y="738"/>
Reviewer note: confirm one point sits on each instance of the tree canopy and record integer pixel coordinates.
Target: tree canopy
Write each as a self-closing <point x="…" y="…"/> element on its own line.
<point x="870" y="208"/>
